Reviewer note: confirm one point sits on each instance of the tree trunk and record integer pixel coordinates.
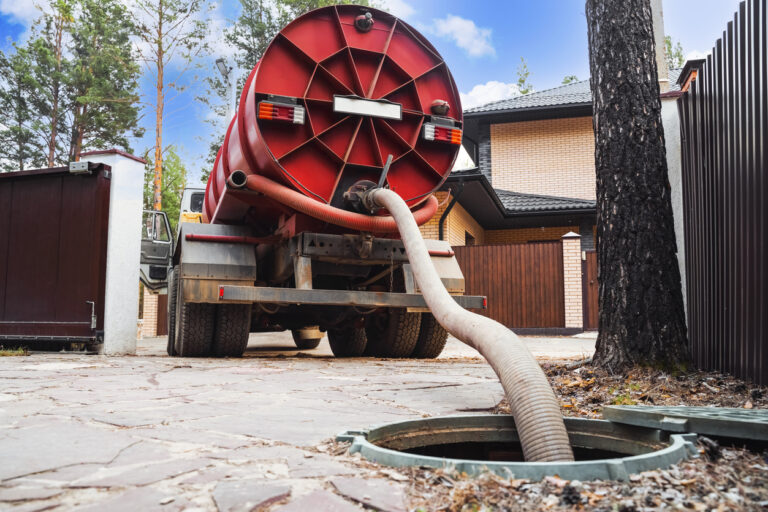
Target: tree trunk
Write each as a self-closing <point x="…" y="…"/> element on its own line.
<point x="56" y="87"/>
<point x="79" y="134"/>
<point x="158" y="179"/>
<point x="641" y="318"/>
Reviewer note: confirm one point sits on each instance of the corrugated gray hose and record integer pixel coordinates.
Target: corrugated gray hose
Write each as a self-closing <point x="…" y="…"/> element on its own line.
<point x="534" y="406"/>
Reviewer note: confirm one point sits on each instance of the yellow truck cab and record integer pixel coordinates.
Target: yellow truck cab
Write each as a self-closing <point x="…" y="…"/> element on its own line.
<point x="192" y="205"/>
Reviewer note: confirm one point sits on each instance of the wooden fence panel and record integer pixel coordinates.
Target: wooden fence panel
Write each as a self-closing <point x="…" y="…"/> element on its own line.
<point x="724" y="128"/>
<point x="589" y="285"/>
<point x="523" y="282"/>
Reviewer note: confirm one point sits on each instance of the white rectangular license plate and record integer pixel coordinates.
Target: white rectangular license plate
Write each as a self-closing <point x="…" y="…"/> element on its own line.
<point x="362" y="107"/>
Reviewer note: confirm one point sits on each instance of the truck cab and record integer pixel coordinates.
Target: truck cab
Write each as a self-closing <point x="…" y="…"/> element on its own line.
<point x="191" y="209"/>
<point x="157" y="240"/>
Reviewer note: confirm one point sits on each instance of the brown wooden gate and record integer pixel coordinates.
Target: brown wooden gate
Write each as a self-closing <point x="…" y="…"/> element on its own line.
<point x="53" y="251"/>
<point x="589" y="285"/>
<point x="523" y="282"/>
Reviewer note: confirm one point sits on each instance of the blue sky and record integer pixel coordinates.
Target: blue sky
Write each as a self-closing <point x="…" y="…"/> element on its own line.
<point x="482" y="42"/>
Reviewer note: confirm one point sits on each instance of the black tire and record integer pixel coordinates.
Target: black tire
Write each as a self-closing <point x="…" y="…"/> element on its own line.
<point x="394" y="334"/>
<point x="172" y="295"/>
<point x="348" y="342"/>
<point x="432" y="338"/>
<point x="233" y="325"/>
<point x="304" y="343"/>
<point x="194" y="326"/>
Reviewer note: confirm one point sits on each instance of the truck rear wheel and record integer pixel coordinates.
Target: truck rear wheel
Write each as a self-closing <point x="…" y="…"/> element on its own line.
<point x="233" y="325"/>
<point x="432" y="338"/>
<point x="393" y="334"/>
<point x="307" y="338"/>
<point x="194" y="325"/>
<point x="347" y="342"/>
<point x="171" y="312"/>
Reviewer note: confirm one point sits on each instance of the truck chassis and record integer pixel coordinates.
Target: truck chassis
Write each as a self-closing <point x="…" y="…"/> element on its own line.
<point x="225" y="282"/>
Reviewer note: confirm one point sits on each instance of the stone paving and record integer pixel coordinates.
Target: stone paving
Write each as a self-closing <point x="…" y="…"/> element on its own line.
<point x="151" y="432"/>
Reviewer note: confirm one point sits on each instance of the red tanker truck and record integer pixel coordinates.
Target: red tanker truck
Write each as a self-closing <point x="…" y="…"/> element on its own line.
<point x="345" y="99"/>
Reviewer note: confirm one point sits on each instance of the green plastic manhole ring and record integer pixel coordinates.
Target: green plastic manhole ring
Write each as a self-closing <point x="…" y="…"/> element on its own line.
<point x="641" y="448"/>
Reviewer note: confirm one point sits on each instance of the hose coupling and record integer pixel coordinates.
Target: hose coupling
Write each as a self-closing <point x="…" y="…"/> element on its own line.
<point x="359" y="197"/>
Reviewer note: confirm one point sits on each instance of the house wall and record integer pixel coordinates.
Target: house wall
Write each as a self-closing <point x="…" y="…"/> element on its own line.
<point x="430" y="230"/>
<point x="525" y="235"/>
<point x="671" y="122"/>
<point x="554" y="157"/>
<point x="457" y="224"/>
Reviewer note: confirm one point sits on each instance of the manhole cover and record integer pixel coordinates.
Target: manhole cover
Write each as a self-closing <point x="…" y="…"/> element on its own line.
<point x="479" y="443"/>
<point x="748" y="424"/>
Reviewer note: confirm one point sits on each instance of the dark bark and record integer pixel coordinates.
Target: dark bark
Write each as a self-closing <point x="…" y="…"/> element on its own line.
<point x="641" y="317"/>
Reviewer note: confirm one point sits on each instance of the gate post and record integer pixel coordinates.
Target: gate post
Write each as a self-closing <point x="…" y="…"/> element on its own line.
<point x="121" y="297"/>
<point x="574" y="308"/>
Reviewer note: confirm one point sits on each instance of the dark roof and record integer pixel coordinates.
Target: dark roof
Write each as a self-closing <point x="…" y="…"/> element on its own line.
<point x="576" y="93"/>
<point x="502" y="209"/>
<point x="518" y="203"/>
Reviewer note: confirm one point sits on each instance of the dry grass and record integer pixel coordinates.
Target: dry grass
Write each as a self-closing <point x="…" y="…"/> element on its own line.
<point x="15" y="351"/>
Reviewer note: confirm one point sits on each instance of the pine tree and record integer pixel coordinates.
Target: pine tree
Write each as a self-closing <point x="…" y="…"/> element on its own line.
<point x="103" y="81"/>
<point x="174" y="181"/>
<point x="641" y="319"/>
<point x="50" y="68"/>
<point x="20" y="148"/>
<point x="168" y="29"/>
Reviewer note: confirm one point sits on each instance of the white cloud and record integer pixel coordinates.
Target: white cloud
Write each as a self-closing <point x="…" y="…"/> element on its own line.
<point x="399" y="8"/>
<point x="474" y="40"/>
<point x="488" y="92"/>
<point x="22" y="11"/>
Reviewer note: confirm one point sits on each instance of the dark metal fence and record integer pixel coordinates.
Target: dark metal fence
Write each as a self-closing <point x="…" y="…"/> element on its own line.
<point x="724" y="128"/>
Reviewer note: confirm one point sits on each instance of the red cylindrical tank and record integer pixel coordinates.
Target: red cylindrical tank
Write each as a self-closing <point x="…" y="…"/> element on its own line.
<point x="337" y="91"/>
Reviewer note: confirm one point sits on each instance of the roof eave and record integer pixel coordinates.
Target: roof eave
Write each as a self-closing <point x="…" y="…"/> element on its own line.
<point x="566" y="110"/>
<point x="502" y="210"/>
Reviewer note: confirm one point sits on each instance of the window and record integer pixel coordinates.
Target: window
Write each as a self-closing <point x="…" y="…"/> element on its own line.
<point x="196" y="202"/>
<point x="155" y="227"/>
<point x="468" y="239"/>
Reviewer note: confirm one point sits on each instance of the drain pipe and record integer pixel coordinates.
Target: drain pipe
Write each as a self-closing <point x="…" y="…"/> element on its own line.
<point x="441" y="224"/>
<point x="535" y="408"/>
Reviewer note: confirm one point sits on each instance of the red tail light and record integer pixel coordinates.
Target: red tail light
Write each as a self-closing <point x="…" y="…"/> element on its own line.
<point x="442" y="133"/>
<point x="279" y="112"/>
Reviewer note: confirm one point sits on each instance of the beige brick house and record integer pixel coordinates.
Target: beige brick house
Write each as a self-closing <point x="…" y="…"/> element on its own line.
<point x="535" y="175"/>
<point x="534" y="182"/>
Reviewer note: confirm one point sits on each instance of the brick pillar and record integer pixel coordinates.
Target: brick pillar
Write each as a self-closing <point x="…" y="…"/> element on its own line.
<point x="149" y="327"/>
<point x="574" y="312"/>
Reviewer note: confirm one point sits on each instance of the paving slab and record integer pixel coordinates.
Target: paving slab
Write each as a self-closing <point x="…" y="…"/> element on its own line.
<point x="247" y="495"/>
<point x="27" y="493"/>
<point x="156" y="433"/>
<point x="376" y="494"/>
<point x="55" y="443"/>
<point x="319" y="501"/>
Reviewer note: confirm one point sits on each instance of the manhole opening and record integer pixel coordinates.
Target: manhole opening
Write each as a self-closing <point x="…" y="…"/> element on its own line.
<point x="501" y="451"/>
